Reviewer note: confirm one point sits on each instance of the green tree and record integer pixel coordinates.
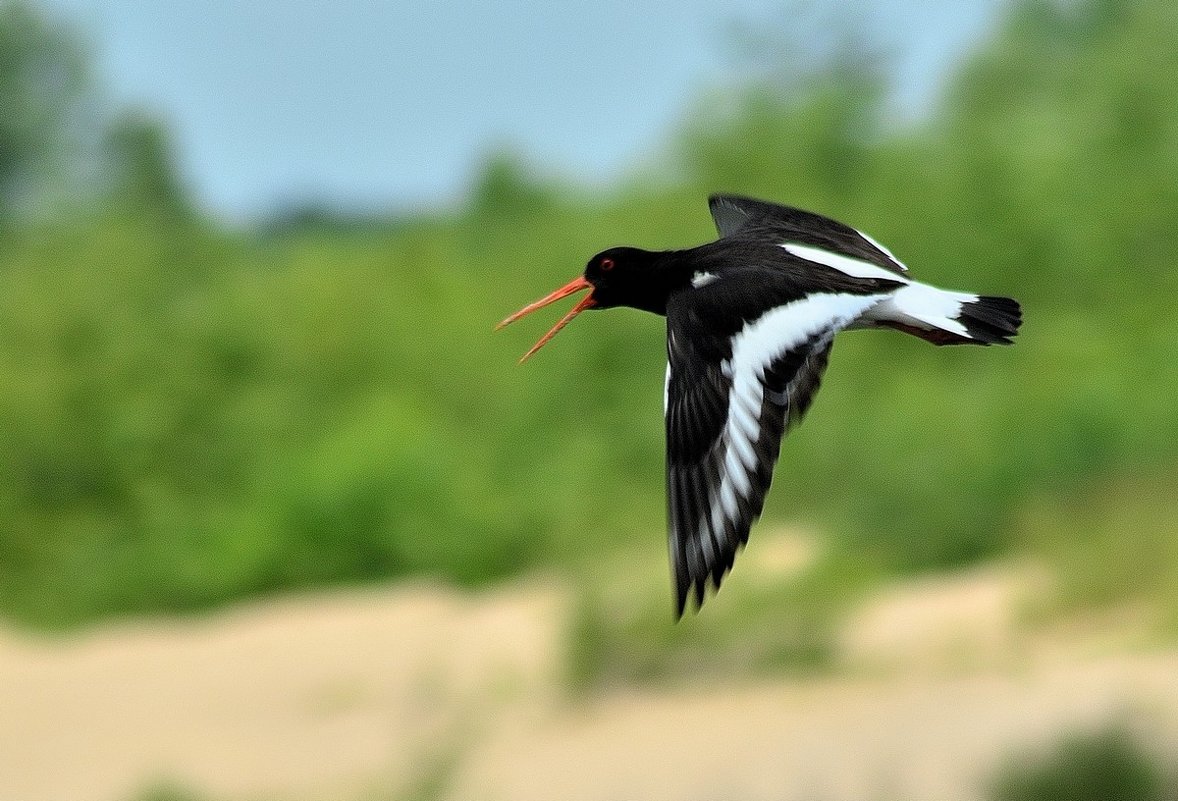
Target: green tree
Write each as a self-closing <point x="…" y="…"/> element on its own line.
<point x="43" y="98"/>
<point x="144" y="175"/>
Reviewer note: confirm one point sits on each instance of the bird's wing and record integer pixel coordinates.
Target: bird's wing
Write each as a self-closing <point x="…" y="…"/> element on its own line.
<point x="804" y="233"/>
<point x="734" y="388"/>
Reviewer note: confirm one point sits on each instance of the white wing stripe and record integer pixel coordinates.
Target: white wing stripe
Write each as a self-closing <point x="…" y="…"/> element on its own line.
<point x="753" y="350"/>
<point x="734" y="473"/>
<point x="856" y="268"/>
<point x="745" y="410"/>
<point x="717" y="518"/>
<point x="728" y="499"/>
<point x="741" y="443"/>
<point x="705" y="538"/>
<point x="783" y="328"/>
<point x="756" y="347"/>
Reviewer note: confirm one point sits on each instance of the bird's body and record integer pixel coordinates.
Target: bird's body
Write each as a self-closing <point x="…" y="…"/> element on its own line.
<point x="751" y="319"/>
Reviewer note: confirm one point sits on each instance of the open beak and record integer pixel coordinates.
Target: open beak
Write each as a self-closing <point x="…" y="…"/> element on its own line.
<point x="576" y="285"/>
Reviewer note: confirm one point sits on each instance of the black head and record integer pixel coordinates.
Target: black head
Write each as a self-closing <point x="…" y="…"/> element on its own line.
<point x="629" y="277"/>
<point x="617" y="277"/>
<point x="612" y="272"/>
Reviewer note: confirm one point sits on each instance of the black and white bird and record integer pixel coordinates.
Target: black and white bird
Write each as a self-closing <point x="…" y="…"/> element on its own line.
<point x="750" y="322"/>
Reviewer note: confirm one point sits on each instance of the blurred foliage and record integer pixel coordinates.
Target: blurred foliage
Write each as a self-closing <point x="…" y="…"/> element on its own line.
<point x="143" y="177"/>
<point x="775" y="621"/>
<point x="1109" y="765"/>
<point x="43" y="92"/>
<point x="169" y="791"/>
<point x="190" y="414"/>
<point x="1113" y="544"/>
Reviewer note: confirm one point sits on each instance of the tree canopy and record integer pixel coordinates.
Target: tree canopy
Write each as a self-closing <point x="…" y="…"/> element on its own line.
<point x="190" y="414"/>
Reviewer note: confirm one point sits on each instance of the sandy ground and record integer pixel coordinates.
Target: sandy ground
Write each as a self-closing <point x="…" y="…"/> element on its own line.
<point x="416" y="690"/>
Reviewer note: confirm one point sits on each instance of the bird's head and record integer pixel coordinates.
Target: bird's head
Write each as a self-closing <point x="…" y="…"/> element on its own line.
<point x="615" y="278"/>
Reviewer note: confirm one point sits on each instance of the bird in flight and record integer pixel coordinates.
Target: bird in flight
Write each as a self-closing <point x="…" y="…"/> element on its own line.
<point x="750" y="322"/>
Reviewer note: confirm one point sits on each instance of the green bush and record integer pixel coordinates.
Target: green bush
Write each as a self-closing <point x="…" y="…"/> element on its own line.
<point x="190" y="415"/>
<point x="1104" y="766"/>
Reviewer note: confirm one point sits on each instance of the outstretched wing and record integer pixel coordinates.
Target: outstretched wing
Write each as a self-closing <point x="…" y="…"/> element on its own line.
<point x="812" y="236"/>
<point x="733" y="391"/>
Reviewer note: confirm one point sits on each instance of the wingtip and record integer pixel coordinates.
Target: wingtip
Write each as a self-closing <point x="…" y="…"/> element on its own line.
<point x="690" y="597"/>
<point x="681" y="591"/>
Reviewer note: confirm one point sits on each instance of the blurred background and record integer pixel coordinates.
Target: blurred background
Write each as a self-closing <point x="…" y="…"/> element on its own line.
<point x="280" y="518"/>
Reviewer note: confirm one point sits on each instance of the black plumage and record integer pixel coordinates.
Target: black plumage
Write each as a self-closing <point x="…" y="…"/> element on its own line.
<point x="751" y="319"/>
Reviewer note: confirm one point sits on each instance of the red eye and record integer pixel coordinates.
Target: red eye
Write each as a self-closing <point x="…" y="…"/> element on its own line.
<point x="607" y="264"/>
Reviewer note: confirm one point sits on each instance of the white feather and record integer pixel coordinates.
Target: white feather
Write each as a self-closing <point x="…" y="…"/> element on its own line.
<point x="754" y="349"/>
<point x="728" y="500"/>
<point x="923" y="306"/>
<point x="667" y="390"/>
<point x="705" y="538"/>
<point x="744" y="410"/>
<point x="735" y="474"/>
<point x="783" y="328"/>
<point x="856" y="268"/>
<point x="741" y="443"/>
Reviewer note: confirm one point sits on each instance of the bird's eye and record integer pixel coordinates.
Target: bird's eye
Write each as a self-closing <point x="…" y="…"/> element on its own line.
<point x="607" y="264"/>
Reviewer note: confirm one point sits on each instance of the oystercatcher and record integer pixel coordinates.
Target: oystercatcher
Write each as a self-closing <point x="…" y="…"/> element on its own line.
<point x="750" y="322"/>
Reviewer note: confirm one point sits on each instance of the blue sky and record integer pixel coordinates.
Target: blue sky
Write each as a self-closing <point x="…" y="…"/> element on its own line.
<point x="374" y="104"/>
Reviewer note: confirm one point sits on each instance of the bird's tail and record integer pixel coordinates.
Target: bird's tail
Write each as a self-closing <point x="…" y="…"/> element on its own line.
<point x="950" y="318"/>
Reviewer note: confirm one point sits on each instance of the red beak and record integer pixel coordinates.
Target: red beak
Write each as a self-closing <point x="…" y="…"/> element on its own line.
<point x="576" y="285"/>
